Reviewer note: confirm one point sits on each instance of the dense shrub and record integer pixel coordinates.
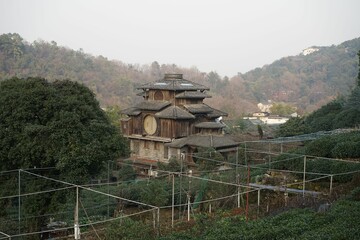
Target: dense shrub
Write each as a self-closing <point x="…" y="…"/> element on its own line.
<point x="321" y="147"/>
<point x="347" y="118"/>
<point x="345" y="145"/>
<point x="295" y="126"/>
<point x="127" y="229"/>
<point x="346" y="150"/>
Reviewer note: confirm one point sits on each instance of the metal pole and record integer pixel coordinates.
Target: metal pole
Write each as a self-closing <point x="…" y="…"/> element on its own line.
<point x="238" y="197"/>
<point x="247" y="193"/>
<point x="331" y="183"/>
<point x="304" y="176"/>
<point x="158" y="221"/>
<point x="19" y="203"/>
<point x="76" y="217"/>
<point x="180" y="186"/>
<point x="172" y="201"/>
<point x="281" y="147"/>
<point x="258" y="201"/>
<point x="188" y="210"/>
<point x="154" y="219"/>
<point x="108" y="188"/>
<point x="237" y="176"/>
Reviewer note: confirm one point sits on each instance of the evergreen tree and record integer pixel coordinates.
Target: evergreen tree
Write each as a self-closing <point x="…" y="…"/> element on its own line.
<point x="57" y="125"/>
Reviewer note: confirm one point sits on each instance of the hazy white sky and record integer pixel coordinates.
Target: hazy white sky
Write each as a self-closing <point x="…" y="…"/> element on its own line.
<point x="227" y="36"/>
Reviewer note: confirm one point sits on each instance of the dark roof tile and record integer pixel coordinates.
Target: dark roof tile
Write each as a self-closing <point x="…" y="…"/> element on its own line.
<point x="173" y="84"/>
<point x="152" y="105"/>
<point x="174" y="112"/>
<point x="131" y="111"/>
<point x="198" y="108"/>
<point x="217" y="113"/>
<point x="192" y="94"/>
<point x="211" y="125"/>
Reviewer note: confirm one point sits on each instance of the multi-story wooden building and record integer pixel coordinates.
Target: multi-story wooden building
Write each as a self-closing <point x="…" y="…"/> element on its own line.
<point x="173" y="121"/>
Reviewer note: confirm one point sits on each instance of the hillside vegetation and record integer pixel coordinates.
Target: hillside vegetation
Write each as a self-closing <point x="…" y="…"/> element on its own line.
<point x="306" y="82"/>
<point x="339" y="223"/>
<point x="342" y="112"/>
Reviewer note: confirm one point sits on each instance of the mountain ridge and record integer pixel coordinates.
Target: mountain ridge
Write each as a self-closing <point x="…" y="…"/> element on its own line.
<point x="305" y="81"/>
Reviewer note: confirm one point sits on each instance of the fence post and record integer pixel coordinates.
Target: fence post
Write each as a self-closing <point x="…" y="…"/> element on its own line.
<point x="76" y="217"/>
<point x="237" y="177"/>
<point x="331" y="184"/>
<point x="172" y="201"/>
<point x="154" y="219"/>
<point x="258" y="202"/>
<point x="158" y="221"/>
<point x="19" y="204"/>
<point x="304" y="176"/>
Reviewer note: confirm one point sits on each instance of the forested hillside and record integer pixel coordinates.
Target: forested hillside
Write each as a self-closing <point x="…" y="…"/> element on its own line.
<point x="306" y="82"/>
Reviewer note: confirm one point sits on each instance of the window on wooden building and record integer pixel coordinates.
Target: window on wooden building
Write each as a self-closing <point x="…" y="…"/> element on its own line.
<point x="136" y="145"/>
<point x="158" y="95"/>
<point x="166" y="152"/>
<point x="146" y="144"/>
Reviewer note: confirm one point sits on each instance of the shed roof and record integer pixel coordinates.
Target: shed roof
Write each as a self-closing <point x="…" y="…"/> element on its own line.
<point x="174" y="112"/>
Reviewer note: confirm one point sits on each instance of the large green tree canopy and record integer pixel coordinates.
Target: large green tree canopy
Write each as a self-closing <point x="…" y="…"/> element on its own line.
<point x="57" y="124"/>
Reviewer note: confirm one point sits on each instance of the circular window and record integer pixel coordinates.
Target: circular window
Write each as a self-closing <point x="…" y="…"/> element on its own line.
<point x="150" y="124"/>
<point x="158" y="95"/>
